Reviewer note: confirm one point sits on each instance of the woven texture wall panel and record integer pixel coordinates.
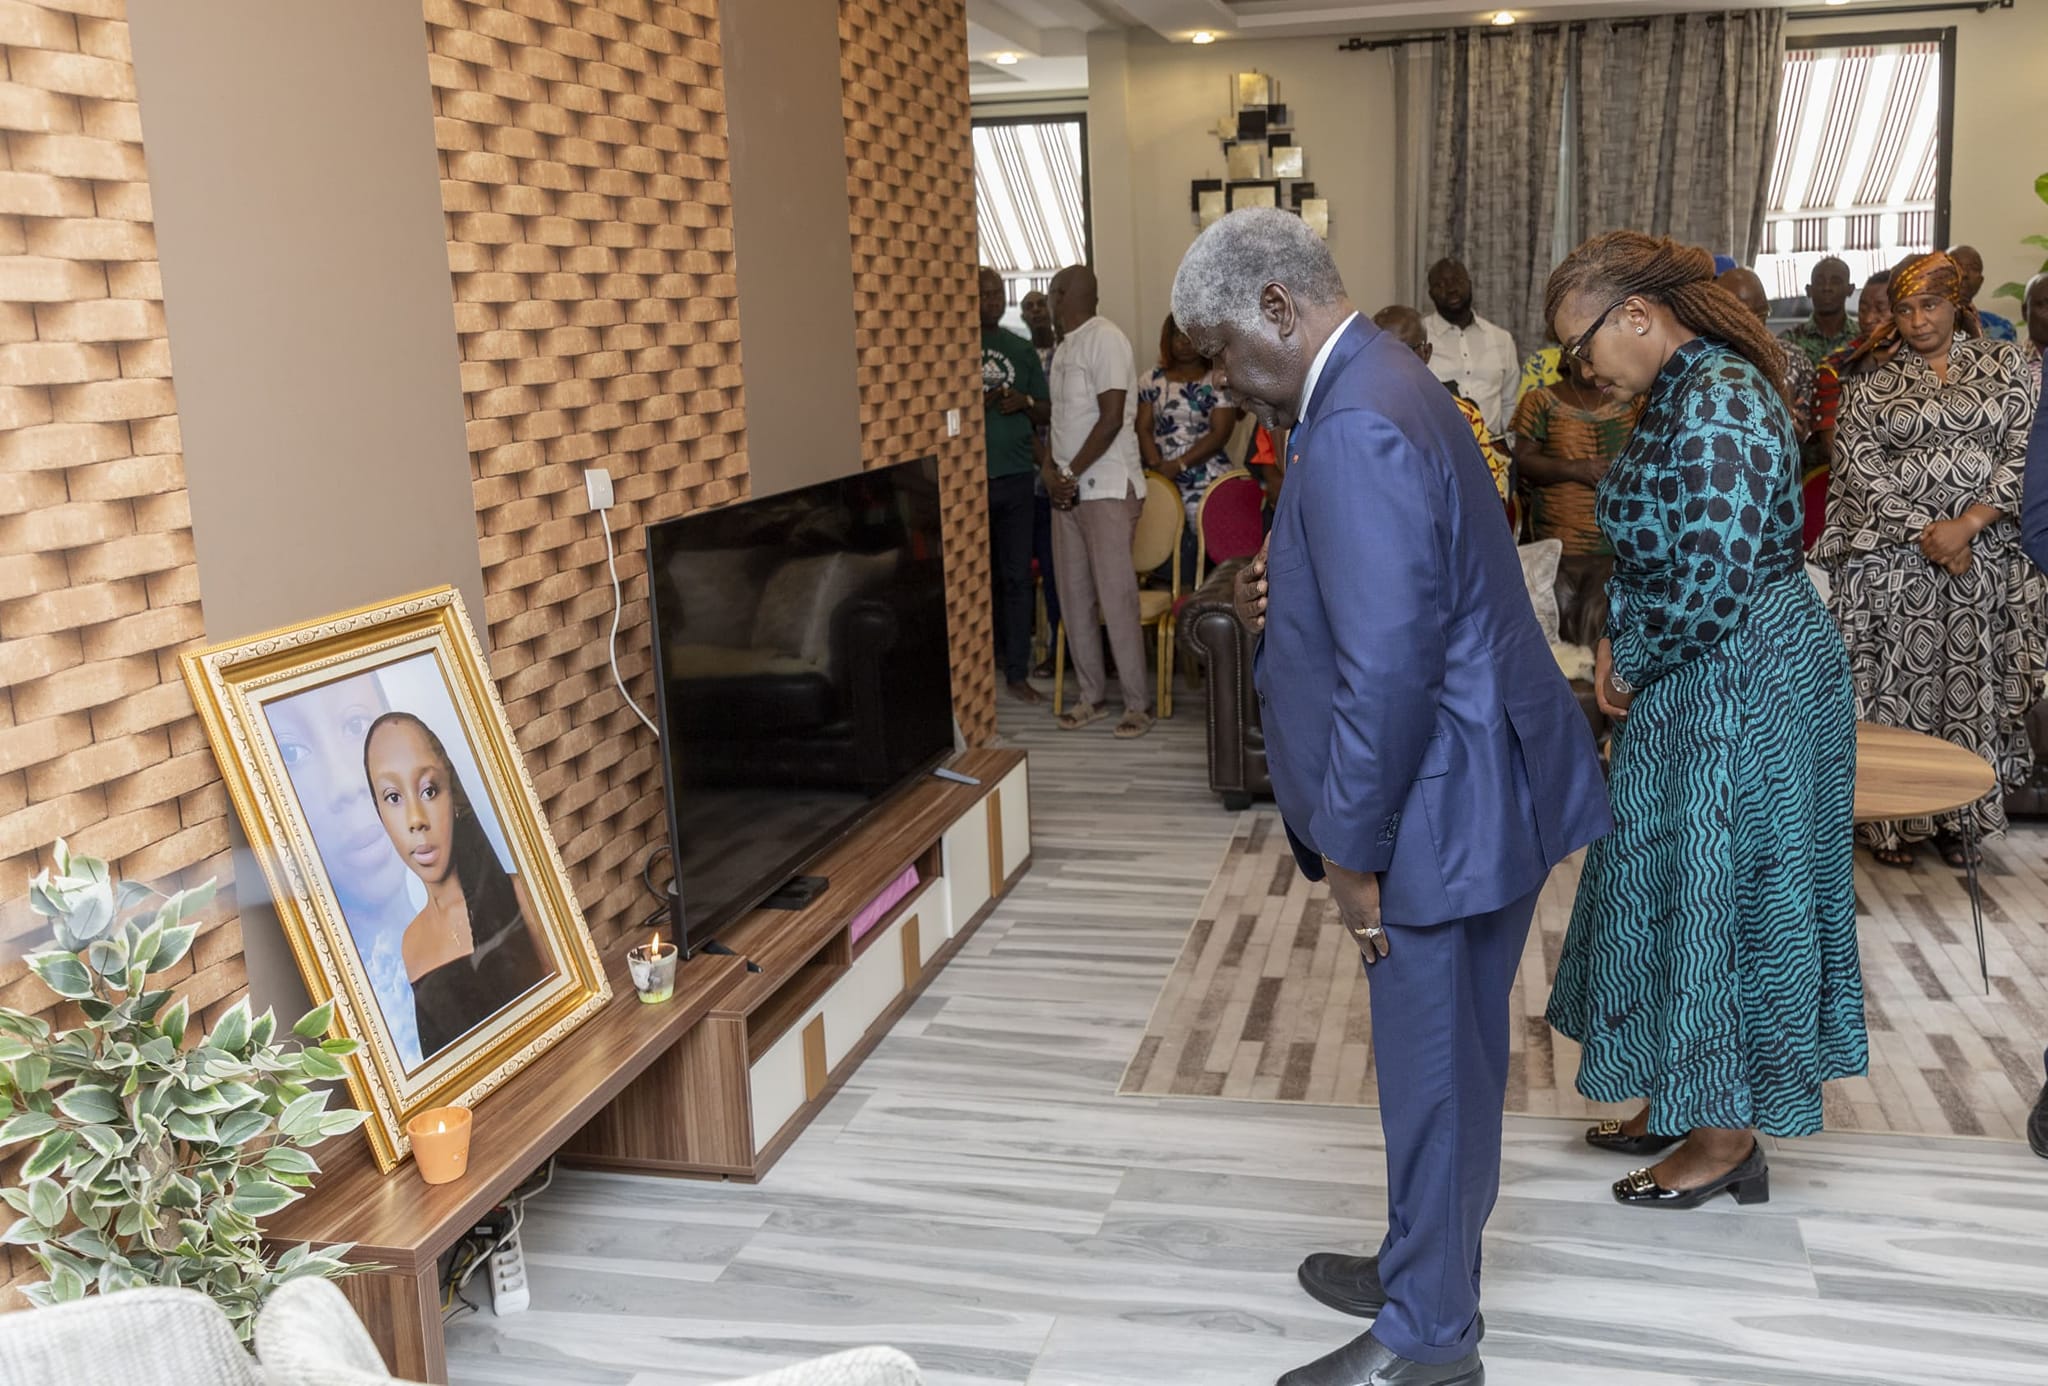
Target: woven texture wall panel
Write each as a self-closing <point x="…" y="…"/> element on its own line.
<point x="910" y="183"/>
<point x="98" y="740"/>
<point x="583" y="162"/>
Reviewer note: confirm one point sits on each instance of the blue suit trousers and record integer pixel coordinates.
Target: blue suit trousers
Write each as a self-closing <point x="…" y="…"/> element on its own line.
<point x="1440" y="1045"/>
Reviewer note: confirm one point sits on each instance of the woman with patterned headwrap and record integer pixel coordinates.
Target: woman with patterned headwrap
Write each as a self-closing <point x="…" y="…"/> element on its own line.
<point x="1941" y="609"/>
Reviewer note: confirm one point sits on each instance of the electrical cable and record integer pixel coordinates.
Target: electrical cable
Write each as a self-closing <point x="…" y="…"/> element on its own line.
<point x="611" y="559"/>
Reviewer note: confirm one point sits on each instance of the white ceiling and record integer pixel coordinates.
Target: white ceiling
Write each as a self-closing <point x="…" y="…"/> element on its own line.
<point x="1049" y="37"/>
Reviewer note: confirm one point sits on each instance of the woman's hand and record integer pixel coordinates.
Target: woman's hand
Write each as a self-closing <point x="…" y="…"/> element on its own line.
<point x="1612" y="701"/>
<point x="1946" y="543"/>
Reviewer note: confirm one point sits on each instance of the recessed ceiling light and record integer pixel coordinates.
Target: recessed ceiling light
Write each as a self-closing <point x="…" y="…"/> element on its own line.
<point x="1203" y="36"/>
<point x="1834" y="2"/>
<point x="1005" y="59"/>
<point x="1502" y="17"/>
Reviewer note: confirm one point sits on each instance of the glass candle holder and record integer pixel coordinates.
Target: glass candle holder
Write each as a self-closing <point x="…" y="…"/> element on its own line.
<point x="653" y="967"/>
<point x="440" y="1143"/>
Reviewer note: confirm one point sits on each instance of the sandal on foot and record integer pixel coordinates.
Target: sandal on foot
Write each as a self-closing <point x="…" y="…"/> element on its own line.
<point x="1956" y="852"/>
<point x="1899" y="858"/>
<point x="1081" y="716"/>
<point x="1133" y="725"/>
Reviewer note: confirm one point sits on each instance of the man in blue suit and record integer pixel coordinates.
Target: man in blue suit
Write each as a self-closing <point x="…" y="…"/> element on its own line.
<point x="1428" y="756"/>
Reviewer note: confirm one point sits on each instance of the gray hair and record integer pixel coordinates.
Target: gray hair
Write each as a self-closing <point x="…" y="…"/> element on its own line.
<point x="1231" y="263"/>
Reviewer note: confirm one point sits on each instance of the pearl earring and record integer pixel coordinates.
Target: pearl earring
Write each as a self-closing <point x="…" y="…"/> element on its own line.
<point x="1641" y="330"/>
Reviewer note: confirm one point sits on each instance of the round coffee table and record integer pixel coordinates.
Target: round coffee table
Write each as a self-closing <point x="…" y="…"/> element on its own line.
<point x="1907" y="774"/>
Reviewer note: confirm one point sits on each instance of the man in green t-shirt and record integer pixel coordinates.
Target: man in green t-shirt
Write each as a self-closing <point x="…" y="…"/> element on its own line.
<point x="1016" y="403"/>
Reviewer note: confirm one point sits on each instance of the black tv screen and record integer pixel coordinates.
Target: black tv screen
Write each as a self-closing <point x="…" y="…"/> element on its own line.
<point x="802" y="671"/>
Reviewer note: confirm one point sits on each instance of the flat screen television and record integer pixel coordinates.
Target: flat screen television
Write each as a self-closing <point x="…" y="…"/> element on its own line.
<point x="802" y="672"/>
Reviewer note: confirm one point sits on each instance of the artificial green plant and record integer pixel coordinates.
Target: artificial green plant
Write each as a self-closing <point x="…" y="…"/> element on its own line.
<point x="156" y="1148"/>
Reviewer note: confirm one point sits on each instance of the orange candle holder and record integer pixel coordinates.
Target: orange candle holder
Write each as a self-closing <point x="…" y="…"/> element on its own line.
<point x="440" y="1143"/>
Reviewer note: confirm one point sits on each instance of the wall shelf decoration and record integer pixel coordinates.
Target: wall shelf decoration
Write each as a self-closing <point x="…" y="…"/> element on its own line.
<point x="1265" y="193"/>
<point x="1264" y="160"/>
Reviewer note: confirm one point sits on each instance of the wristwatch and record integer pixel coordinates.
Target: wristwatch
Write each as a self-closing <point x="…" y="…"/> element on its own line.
<point x="1622" y="687"/>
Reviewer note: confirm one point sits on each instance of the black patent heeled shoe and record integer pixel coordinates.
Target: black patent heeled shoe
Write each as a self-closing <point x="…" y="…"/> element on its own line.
<point x="1608" y="1135"/>
<point x="1749" y="1181"/>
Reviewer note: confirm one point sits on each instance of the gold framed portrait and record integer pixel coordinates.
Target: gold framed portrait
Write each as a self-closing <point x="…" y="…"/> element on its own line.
<point x="371" y="764"/>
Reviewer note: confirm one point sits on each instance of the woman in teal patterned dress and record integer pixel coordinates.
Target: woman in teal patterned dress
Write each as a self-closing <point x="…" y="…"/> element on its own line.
<point x="1710" y="966"/>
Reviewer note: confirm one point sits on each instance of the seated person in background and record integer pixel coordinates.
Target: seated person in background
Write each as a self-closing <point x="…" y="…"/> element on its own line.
<point x="1566" y="436"/>
<point x="1405" y="323"/>
<point x="1997" y="327"/>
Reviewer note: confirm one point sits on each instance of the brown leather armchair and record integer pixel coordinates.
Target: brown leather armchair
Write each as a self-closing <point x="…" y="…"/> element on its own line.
<point x="1211" y="632"/>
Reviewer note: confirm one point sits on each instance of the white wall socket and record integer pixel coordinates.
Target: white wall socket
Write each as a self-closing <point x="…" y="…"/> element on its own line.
<point x="952" y="423"/>
<point x="598" y="482"/>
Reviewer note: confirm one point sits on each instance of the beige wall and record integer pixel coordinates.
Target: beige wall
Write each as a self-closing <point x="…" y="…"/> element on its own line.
<point x="2001" y="139"/>
<point x="306" y="292"/>
<point x="298" y="216"/>
<point x="793" y="256"/>
<point x="1152" y="112"/>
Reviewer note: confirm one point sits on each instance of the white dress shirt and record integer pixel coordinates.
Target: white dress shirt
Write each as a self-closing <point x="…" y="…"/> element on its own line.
<point x="1482" y="360"/>
<point x="1093" y="359"/>
<point x="1315" y="368"/>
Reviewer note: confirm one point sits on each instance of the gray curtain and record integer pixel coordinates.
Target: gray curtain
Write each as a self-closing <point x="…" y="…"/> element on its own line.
<point x="1676" y="120"/>
<point x="1415" y="94"/>
<point x="1499" y="124"/>
<point x="1665" y="125"/>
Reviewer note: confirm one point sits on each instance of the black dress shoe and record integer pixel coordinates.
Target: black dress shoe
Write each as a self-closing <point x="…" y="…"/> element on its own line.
<point x="1749" y="1181"/>
<point x="1366" y="1361"/>
<point x="1348" y="1284"/>
<point x="2037" y="1133"/>
<point x="1608" y="1135"/>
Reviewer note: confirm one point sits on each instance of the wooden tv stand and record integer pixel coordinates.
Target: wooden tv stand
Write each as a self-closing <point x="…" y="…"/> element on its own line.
<point x="716" y="1083"/>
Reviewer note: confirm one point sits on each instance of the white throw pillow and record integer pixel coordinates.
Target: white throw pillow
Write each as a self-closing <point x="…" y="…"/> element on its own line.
<point x="1539" y="576"/>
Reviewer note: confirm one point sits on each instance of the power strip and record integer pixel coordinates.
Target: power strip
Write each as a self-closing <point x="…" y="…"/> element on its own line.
<point x="508" y="1277"/>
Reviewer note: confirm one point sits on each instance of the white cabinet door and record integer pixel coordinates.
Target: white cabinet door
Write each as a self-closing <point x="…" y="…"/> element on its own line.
<point x="1015" y="791"/>
<point x="965" y="866"/>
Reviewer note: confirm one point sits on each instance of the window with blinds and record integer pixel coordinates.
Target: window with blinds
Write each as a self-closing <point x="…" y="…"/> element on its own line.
<point x="1861" y="148"/>
<point x="1031" y="197"/>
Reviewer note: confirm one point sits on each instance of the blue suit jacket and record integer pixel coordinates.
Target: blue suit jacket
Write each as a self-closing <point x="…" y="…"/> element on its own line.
<point x="1416" y="722"/>
<point x="2034" y="486"/>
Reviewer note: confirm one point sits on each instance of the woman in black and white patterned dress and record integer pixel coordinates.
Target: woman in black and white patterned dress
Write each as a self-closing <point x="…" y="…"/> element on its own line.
<point x="1942" y="611"/>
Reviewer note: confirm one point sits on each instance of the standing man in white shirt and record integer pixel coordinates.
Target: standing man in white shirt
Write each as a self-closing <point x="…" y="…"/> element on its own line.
<point x="1097" y="485"/>
<point x="1466" y="349"/>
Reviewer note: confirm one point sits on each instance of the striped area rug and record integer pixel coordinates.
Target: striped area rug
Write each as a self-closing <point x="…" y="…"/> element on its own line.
<point x="1267" y="1001"/>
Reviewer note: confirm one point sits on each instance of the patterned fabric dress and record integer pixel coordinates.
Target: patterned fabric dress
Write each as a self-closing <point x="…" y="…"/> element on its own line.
<point x="1711" y="965"/>
<point x="1959" y="657"/>
<point x="1181" y="410"/>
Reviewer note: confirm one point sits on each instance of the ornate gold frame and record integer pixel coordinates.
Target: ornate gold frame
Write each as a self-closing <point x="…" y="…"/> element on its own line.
<point x="230" y="684"/>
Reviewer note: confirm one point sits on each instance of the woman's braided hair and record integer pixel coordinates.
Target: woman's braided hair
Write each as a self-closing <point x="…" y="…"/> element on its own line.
<point x="1681" y="277"/>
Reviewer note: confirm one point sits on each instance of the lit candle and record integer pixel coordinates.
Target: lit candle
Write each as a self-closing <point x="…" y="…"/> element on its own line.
<point x="440" y="1143"/>
<point x="653" y="966"/>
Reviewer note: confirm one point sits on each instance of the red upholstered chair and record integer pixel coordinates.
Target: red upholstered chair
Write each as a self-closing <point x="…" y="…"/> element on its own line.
<point x="1227" y="521"/>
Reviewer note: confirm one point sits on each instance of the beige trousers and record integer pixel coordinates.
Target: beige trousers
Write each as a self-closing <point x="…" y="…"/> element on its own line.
<point x="1091" y="556"/>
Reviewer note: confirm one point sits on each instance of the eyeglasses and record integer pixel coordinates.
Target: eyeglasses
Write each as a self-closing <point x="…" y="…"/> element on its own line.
<point x="1577" y="350"/>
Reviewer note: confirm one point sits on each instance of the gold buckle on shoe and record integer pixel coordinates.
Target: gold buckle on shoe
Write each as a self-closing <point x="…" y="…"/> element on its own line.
<point x="1609" y="1127"/>
<point x="1640" y="1182"/>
